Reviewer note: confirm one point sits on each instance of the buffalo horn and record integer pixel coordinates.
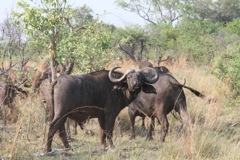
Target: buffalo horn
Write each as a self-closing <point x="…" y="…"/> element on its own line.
<point x="149" y="79"/>
<point x="115" y="80"/>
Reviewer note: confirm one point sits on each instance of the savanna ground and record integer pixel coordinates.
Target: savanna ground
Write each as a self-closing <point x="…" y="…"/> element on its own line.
<point x="214" y="131"/>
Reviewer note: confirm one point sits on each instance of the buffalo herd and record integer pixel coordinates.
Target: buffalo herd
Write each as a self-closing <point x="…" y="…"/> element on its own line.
<point x="147" y="92"/>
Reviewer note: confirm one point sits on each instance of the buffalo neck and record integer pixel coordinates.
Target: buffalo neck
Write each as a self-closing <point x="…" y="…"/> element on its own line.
<point x="126" y="97"/>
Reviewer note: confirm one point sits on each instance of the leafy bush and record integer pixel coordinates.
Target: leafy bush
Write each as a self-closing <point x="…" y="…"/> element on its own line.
<point x="234" y="27"/>
<point x="131" y="42"/>
<point x="90" y="51"/>
<point x="227" y="67"/>
<point x="197" y="39"/>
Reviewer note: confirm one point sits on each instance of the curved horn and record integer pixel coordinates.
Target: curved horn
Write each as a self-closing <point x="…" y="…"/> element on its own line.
<point x="149" y="79"/>
<point x="115" y="80"/>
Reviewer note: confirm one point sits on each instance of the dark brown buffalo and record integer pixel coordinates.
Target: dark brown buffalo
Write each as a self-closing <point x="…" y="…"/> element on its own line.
<point x="43" y="81"/>
<point x="163" y="69"/>
<point x="8" y="92"/>
<point x="46" y="95"/>
<point x="17" y="73"/>
<point x="44" y="71"/>
<point x="134" y="112"/>
<point x="144" y="64"/>
<point x="101" y="95"/>
<point x="170" y="95"/>
<point x="45" y="92"/>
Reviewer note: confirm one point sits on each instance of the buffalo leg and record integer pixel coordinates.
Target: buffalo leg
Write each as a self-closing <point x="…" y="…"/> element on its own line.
<point x="165" y="125"/>
<point x="143" y="122"/>
<point x="109" y="129"/>
<point x="185" y="118"/>
<point x="53" y="127"/>
<point x="151" y="129"/>
<point x="68" y="128"/>
<point x="132" y="121"/>
<point x="75" y="127"/>
<point x="80" y="123"/>
<point x="118" y="126"/>
<point x="63" y="136"/>
<point x="181" y="109"/>
<point x="4" y="114"/>
<point x="102" y="132"/>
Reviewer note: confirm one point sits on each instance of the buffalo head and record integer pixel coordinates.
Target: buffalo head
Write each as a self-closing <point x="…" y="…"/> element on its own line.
<point x="136" y="80"/>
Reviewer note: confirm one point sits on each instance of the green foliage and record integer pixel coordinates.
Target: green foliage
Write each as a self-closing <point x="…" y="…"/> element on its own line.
<point x="197" y="39"/>
<point x="165" y="35"/>
<point x="223" y="11"/>
<point x="197" y="27"/>
<point x="234" y="27"/>
<point x="170" y="11"/>
<point x="131" y="41"/>
<point x="76" y="35"/>
<point x="42" y="21"/>
<point x="91" y="50"/>
<point x="82" y="16"/>
<point x="154" y="11"/>
<point x="227" y="67"/>
<point x="194" y="38"/>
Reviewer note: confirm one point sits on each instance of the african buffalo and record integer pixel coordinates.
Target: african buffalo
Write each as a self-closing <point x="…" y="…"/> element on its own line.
<point x="133" y="111"/>
<point x="42" y="80"/>
<point x="8" y="92"/>
<point x="101" y="94"/>
<point x="170" y="95"/>
<point x="45" y="92"/>
<point x="44" y="71"/>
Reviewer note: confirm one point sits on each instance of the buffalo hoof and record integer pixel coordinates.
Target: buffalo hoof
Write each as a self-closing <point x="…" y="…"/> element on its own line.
<point x="89" y="132"/>
<point x="50" y="153"/>
<point x="69" y="148"/>
<point x="132" y="137"/>
<point x="149" y="138"/>
<point x="107" y="148"/>
<point x="48" y="150"/>
<point x="70" y="139"/>
<point x="110" y="147"/>
<point x="144" y="128"/>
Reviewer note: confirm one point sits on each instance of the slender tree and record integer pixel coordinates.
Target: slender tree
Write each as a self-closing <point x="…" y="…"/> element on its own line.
<point x="154" y="11"/>
<point x="45" y="20"/>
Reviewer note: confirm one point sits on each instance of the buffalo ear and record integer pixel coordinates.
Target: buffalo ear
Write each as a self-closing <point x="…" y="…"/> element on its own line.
<point x="148" y="89"/>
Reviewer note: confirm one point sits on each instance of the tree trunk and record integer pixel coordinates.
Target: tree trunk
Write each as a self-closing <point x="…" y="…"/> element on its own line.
<point x="53" y="56"/>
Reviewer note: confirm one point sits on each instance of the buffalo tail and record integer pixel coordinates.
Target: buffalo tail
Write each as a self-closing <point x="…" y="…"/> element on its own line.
<point x="197" y="93"/>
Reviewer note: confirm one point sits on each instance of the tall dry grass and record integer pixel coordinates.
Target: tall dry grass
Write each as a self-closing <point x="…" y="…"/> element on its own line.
<point x="215" y="127"/>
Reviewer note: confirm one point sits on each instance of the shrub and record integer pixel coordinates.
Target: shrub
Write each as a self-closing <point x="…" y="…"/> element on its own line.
<point x="234" y="27"/>
<point x="227" y="67"/>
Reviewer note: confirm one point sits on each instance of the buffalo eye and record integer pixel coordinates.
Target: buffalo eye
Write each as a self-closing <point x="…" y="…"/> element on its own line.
<point x="129" y="77"/>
